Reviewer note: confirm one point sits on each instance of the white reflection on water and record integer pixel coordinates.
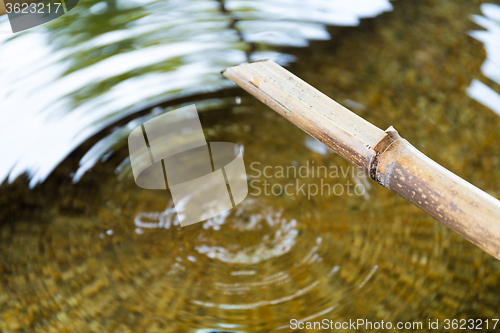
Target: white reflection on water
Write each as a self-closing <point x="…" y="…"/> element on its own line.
<point x="5" y="28"/>
<point x="274" y="244"/>
<point x="250" y="215"/>
<point x="333" y="12"/>
<point x="485" y="95"/>
<point x="295" y="34"/>
<point x="261" y="303"/>
<point x="317" y="146"/>
<point x="61" y="83"/>
<point x="369" y="276"/>
<point x="152" y="220"/>
<point x="491" y="67"/>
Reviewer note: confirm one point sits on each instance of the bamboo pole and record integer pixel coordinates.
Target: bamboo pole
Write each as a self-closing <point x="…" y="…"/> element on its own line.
<point x="387" y="158"/>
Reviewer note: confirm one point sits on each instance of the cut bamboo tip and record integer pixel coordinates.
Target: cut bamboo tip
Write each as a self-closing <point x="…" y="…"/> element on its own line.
<point x="386" y="157"/>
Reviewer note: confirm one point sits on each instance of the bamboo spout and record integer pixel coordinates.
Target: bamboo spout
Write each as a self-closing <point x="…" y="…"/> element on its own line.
<point x="387" y="158"/>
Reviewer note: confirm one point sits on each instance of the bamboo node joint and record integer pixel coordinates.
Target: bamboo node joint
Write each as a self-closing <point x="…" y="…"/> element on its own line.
<point x="380" y="146"/>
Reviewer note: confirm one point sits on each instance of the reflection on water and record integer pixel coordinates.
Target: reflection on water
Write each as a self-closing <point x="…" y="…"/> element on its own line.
<point x="279" y="234"/>
<point x="93" y="252"/>
<point x="491" y="67"/>
<point x="107" y="59"/>
<point x="153" y="220"/>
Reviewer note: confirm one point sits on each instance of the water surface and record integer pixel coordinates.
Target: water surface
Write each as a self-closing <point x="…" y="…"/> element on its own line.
<point x="85" y="250"/>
